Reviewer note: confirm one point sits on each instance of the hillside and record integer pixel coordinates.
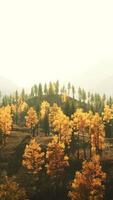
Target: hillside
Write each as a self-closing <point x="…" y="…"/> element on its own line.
<point x="68" y="107"/>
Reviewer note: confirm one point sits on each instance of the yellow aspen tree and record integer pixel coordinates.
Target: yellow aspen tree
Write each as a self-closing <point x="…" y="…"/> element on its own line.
<point x="33" y="157"/>
<point x="65" y="130"/>
<point x="107" y="114"/>
<point x="89" y="119"/>
<point x="44" y="109"/>
<point x="54" y="113"/>
<point x="80" y="124"/>
<point x="21" y="108"/>
<point x="56" y="124"/>
<point x="44" y="116"/>
<point x="60" y="124"/>
<point x="5" y="122"/>
<point x="10" y="190"/>
<point x="97" y="134"/>
<point x="56" y="163"/>
<point x="31" y="119"/>
<point x="88" y="184"/>
<point x="56" y="159"/>
<point x="18" y="109"/>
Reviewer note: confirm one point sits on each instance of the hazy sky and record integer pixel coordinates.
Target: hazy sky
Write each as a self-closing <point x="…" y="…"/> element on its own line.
<point x="47" y="40"/>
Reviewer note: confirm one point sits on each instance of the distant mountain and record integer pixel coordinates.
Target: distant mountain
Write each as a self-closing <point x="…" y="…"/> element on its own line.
<point x="104" y="86"/>
<point x="97" y="78"/>
<point x="7" y="87"/>
<point x="94" y="83"/>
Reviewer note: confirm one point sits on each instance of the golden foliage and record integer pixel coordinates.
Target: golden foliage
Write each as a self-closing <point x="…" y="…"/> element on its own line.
<point x="55" y="111"/>
<point x="22" y="106"/>
<point x="108" y="113"/>
<point x="10" y="190"/>
<point x="5" y="120"/>
<point x="44" y="109"/>
<point x="90" y="126"/>
<point x="31" y="118"/>
<point x="56" y="158"/>
<point x="88" y="184"/>
<point x="97" y="133"/>
<point x="60" y="124"/>
<point x="80" y="120"/>
<point x="33" y="158"/>
<point x="65" y="133"/>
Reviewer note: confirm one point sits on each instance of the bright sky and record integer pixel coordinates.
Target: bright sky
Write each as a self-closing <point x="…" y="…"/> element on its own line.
<point x="44" y="40"/>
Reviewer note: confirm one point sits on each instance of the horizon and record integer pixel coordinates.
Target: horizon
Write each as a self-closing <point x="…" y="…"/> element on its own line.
<point x="11" y="91"/>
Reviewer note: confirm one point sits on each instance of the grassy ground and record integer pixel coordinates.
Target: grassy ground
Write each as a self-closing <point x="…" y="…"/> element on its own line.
<point x="11" y="159"/>
<point x="11" y="154"/>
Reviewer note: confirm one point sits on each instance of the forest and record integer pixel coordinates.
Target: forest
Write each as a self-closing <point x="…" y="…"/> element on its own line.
<point x="56" y="142"/>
